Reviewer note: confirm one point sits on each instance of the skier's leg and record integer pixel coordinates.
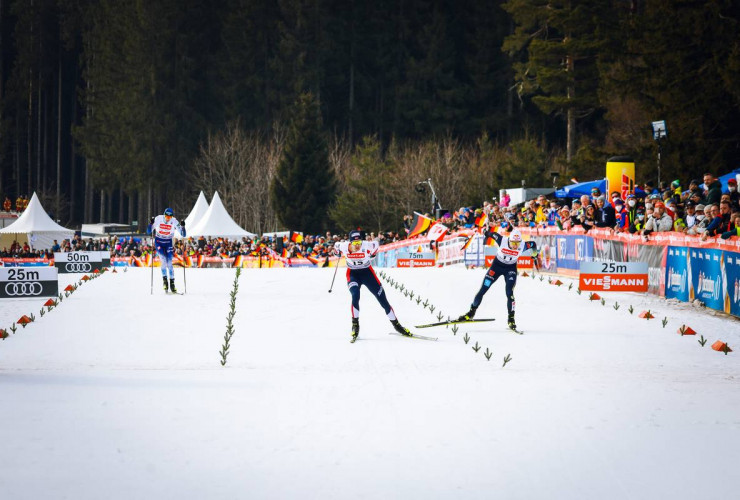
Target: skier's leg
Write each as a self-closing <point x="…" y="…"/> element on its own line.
<point x="510" y="301"/>
<point x="371" y="281"/>
<point x="354" y="290"/>
<point x="491" y="276"/>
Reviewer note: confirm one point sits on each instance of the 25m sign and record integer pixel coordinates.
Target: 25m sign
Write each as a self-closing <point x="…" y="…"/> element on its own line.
<point x="614" y="276"/>
<point x="23" y="282"/>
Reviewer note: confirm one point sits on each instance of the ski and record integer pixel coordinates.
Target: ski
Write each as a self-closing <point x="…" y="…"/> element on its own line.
<point x="455" y="322"/>
<point x="413" y="336"/>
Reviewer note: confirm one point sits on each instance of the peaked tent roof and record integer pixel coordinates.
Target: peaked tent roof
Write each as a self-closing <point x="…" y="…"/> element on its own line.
<point x="198" y="211"/>
<point x="41" y="230"/>
<point x="34" y="219"/>
<point x="217" y="222"/>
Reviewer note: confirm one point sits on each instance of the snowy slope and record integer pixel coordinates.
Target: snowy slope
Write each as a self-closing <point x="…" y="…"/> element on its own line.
<point x="120" y="394"/>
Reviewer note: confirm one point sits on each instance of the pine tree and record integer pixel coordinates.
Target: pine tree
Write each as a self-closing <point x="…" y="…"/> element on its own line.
<point x="305" y="184"/>
<point x="368" y="199"/>
<point x="557" y="44"/>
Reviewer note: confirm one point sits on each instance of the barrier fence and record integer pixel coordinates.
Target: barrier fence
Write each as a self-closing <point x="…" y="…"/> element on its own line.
<point x="681" y="267"/>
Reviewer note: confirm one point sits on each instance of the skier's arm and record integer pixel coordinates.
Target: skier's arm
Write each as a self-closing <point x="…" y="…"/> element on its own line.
<point x="531" y="247"/>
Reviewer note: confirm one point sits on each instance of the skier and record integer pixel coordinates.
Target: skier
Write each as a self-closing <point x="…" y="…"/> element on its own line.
<point x="359" y="253"/>
<point x="510" y="247"/>
<point x="163" y="228"/>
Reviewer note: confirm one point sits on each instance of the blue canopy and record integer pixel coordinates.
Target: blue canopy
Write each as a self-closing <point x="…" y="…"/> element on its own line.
<point x="576" y="190"/>
<point x="723" y="179"/>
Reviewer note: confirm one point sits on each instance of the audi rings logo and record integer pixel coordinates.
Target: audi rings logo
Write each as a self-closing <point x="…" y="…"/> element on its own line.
<point x="28" y="289"/>
<point x="78" y="267"/>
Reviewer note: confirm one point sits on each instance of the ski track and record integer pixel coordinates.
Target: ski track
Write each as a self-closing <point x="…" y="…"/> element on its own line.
<point x="120" y="394"/>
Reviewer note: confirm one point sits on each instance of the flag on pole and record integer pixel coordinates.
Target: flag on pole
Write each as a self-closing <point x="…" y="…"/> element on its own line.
<point x="419" y="224"/>
<point x="437" y="231"/>
<point x="296" y="237"/>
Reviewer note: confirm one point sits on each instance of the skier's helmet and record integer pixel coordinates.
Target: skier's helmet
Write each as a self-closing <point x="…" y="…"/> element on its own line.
<point x="169" y="212"/>
<point x="355" y="235"/>
<point x="515" y="239"/>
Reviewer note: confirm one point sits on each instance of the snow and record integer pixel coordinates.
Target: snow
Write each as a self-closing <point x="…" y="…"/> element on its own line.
<point x="120" y="394"/>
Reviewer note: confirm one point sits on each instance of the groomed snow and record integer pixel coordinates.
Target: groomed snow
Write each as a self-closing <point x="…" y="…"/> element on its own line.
<point x="119" y="394"/>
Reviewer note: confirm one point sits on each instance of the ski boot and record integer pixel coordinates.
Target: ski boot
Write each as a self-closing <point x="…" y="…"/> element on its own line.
<point x="164" y="284"/>
<point x="468" y="315"/>
<point x="400" y="329"/>
<point x="512" y="323"/>
<point x="172" y="285"/>
<point x="355" y="329"/>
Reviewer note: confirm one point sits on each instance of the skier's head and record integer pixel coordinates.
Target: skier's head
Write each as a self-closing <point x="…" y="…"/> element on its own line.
<point x="168" y="213"/>
<point x="515" y="238"/>
<point x="355" y="240"/>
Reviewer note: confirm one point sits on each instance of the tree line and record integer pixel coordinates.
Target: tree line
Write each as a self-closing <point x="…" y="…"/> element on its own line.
<point x="111" y="110"/>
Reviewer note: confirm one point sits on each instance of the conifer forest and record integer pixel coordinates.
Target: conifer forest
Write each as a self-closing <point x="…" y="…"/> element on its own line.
<point x="316" y="114"/>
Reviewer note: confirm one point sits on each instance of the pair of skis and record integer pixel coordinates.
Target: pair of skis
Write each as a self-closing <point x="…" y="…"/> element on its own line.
<point x="442" y="323"/>
<point x="457" y="322"/>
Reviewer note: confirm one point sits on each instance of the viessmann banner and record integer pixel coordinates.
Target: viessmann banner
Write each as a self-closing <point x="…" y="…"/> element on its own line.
<point x="81" y="262"/>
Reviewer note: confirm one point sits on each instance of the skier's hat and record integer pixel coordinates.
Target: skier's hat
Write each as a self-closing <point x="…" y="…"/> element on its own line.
<point x="356" y="235"/>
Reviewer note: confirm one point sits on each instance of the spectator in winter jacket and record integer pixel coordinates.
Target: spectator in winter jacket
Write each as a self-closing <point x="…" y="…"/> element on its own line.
<point x="565" y="222"/>
<point x="588" y="220"/>
<point x="659" y="220"/>
<point x="720" y="220"/>
<point x="713" y="189"/>
<point x="735" y="227"/>
<point x="690" y="216"/>
<point x="621" y="215"/>
<point x="606" y="214"/>
<point x="734" y="195"/>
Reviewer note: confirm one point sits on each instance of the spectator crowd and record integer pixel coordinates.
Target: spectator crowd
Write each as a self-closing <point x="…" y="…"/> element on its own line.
<point x="707" y="212"/>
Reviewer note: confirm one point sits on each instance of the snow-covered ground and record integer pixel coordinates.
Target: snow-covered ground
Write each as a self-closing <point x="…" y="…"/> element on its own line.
<point x="120" y="394"/>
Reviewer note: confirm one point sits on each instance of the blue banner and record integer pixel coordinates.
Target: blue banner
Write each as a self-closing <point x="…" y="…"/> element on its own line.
<point x="732" y="274"/>
<point x="677" y="274"/>
<point x="706" y="277"/>
<point x="574" y="249"/>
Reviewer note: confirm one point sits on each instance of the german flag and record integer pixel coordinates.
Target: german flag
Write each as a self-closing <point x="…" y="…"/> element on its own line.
<point x="480" y="221"/>
<point x="284" y="253"/>
<point x="312" y="259"/>
<point x="489" y="242"/>
<point x="238" y="260"/>
<point x="296" y="237"/>
<point x="200" y="260"/>
<point x="188" y="261"/>
<point x="468" y="242"/>
<point x="223" y="255"/>
<point x="419" y="225"/>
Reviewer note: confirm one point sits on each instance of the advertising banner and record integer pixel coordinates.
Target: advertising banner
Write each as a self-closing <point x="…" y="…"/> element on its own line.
<point x="574" y="249"/>
<point x="80" y="262"/>
<point x="677" y="274"/>
<point x="706" y="277"/>
<point x="732" y="275"/>
<point x="614" y="276"/>
<point x="410" y="257"/>
<point x="20" y="282"/>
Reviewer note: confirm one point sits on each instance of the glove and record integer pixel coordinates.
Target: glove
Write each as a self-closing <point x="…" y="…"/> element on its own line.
<point x="182" y="224"/>
<point x="151" y="221"/>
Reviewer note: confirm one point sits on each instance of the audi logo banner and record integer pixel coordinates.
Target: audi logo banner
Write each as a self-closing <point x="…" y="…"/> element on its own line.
<point x="24" y="282"/>
<point x="81" y="262"/>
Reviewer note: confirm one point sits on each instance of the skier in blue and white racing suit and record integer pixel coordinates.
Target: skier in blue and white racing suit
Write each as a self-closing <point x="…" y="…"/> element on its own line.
<point x="510" y="247"/>
<point x="359" y="253"/>
<point x="163" y="228"/>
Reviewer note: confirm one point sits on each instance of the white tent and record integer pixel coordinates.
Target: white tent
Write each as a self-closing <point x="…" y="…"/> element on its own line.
<point x="41" y="230"/>
<point x="217" y="222"/>
<point x="198" y="211"/>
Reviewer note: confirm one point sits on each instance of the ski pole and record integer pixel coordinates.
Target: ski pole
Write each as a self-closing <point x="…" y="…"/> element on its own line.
<point x="151" y="281"/>
<point x="184" y="281"/>
<point x="336" y="268"/>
